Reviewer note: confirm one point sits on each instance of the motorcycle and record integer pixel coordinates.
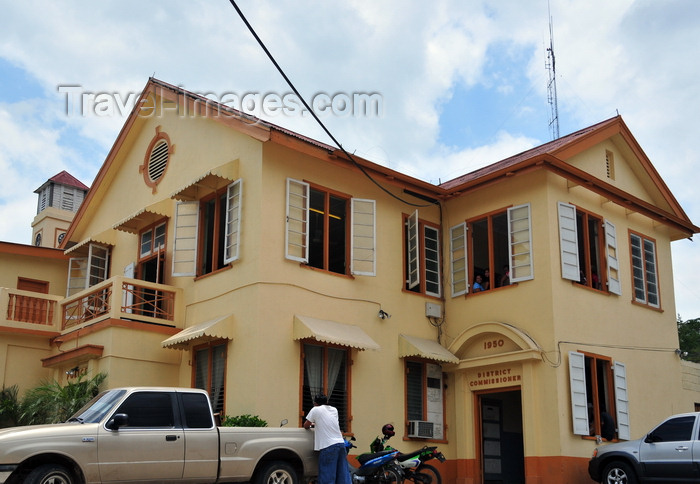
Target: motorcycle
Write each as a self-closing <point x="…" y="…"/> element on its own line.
<point x="413" y="464"/>
<point x="376" y="467"/>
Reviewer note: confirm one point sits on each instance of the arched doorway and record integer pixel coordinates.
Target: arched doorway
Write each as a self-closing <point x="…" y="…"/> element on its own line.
<point x="501" y="450"/>
<point x="494" y="374"/>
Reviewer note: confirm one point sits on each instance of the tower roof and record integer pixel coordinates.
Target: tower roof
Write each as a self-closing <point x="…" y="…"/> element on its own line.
<point x="64" y="178"/>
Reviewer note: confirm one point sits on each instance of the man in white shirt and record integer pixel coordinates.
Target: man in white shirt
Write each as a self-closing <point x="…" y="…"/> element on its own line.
<point x="328" y="440"/>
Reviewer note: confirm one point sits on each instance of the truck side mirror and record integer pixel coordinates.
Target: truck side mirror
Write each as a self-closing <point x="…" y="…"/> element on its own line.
<point x="118" y="420"/>
<point x="651" y="438"/>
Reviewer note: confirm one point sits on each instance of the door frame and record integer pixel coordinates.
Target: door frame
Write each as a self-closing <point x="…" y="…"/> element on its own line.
<point x="478" y="426"/>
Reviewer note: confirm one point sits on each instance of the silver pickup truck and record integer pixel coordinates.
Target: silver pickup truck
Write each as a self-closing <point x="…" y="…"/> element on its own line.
<point x="153" y="435"/>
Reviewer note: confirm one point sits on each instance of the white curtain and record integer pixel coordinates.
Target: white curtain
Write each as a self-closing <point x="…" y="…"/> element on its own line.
<point x="335" y="363"/>
<point x="313" y="361"/>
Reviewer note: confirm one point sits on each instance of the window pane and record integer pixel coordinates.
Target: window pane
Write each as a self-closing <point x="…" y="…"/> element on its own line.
<point x="637" y="268"/>
<point x="159" y="240"/>
<point x="594" y="244"/>
<point x="148" y="409"/>
<point x="650" y="268"/>
<point x="218" y="364"/>
<point x="412" y="255"/>
<point x="146" y="242"/>
<point x="325" y="371"/>
<point x="432" y="261"/>
<point x="675" y="430"/>
<point x="220" y="231"/>
<point x="458" y="259"/>
<point x="337" y="384"/>
<point x="98" y="264"/>
<point x="208" y="228"/>
<point x="337" y="234"/>
<point x="197" y="413"/>
<point x="480" y="246"/>
<point x="317" y="228"/>
<point x="414" y="390"/>
<point x="201" y="369"/>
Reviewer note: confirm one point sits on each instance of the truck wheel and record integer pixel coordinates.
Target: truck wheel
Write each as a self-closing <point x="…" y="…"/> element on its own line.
<point x="50" y="474"/>
<point x="276" y="472"/>
<point x="618" y="472"/>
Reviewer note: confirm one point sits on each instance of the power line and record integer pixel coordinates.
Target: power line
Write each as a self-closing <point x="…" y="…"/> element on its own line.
<point x="306" y="105"/>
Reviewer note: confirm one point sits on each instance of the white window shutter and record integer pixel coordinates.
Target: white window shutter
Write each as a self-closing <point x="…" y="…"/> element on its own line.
<point x="431" y="259"/>
<point x="128" y="291"/>
<point x="98" y="264"/>
<point x="458" y="259"/>
<point x="568" y="242"/>
<point x="77" y="275"/>
<point x="413" y="257"/>
<point x="185" y="239"/>
<point x="621" y="401"/>
<point x="232" y="237"/>
<point x="579" y="402"/>
<point x="520" y="243"/>
<point x="614" y="285"/>
<point x="363" y="237"/>
<point x="297" y="223"/>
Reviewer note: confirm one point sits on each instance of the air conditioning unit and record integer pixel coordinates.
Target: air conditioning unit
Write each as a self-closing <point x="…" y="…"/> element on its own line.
<point x="420" y="429"/>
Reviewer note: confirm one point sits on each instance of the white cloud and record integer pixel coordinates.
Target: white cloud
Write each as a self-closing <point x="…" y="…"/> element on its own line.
<point x="635" y="56"/>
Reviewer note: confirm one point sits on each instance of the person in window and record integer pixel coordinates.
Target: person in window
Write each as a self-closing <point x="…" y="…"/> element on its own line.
<point x="328" y="440"/>
<point x="486" y="280"/>
<point x="607" y="426"/>
<point x="505" y="278"/>
<point x="582" y="278"/>
<point x="478" y="284"/>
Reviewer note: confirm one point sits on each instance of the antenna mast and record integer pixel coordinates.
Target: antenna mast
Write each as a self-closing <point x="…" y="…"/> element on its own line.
<point x="550" y="65"/>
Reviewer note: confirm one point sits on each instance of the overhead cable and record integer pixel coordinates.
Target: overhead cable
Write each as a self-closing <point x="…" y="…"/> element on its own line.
<point x="306" y="105"/>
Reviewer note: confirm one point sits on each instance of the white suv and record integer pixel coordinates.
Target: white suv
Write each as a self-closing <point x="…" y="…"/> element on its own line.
<point x="670" y="453"/>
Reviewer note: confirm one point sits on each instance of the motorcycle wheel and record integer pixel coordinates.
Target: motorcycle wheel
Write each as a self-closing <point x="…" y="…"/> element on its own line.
<point x="427" y="474"/>
<point x="391" y="476"/>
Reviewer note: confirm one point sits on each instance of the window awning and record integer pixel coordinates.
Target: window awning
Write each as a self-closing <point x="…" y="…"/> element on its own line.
<point x="209" y="182"/>
<point x="332" y="332"/>
<point x="106" y="238"/>
<point x="424" y="348"/>
<point x="218" y="328"/>
<point x="144" y="217"/>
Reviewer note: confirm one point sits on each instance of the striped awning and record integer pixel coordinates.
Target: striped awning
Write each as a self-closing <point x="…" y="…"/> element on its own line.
<point x="106" y="238"/>
<point x="332" y="332"/>
<point x="217" y="328"/>
<point x="208" y="182"/>
<point x="424" y="348"/>
<point x="144" y="217"/>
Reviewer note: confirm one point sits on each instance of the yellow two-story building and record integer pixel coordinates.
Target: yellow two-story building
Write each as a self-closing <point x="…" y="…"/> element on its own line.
<point x="499" y="315"/>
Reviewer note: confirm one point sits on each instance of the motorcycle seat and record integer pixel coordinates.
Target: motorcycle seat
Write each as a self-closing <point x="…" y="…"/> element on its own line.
<point x="362" y="458"/>
<point x="410" y="455"/>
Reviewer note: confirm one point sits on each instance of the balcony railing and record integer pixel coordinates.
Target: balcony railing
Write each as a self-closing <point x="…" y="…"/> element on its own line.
<point x="123" y="298"/>
<point x="118" y="297"/>
<point x="29" y="310"/>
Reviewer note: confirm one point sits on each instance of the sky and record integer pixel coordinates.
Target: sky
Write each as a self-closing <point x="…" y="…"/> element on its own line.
<point x="458" y="84"/>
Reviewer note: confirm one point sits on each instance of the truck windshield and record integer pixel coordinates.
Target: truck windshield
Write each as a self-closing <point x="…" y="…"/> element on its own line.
<point x="98" y="407"/>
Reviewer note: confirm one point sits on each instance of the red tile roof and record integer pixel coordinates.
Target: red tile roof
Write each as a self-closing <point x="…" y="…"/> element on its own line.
<point x="551" y="148"/>
<point x="65" y="178"/>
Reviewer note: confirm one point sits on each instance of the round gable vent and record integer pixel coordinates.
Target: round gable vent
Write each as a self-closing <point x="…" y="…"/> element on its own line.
<point x="155" y="162"/>
<point x="158" y="160"/>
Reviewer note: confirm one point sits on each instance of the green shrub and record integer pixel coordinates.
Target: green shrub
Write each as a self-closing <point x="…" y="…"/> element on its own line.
<point x="242" y="421"/>
<point x="52" y="403"/>
<point x="9" y="407"/>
